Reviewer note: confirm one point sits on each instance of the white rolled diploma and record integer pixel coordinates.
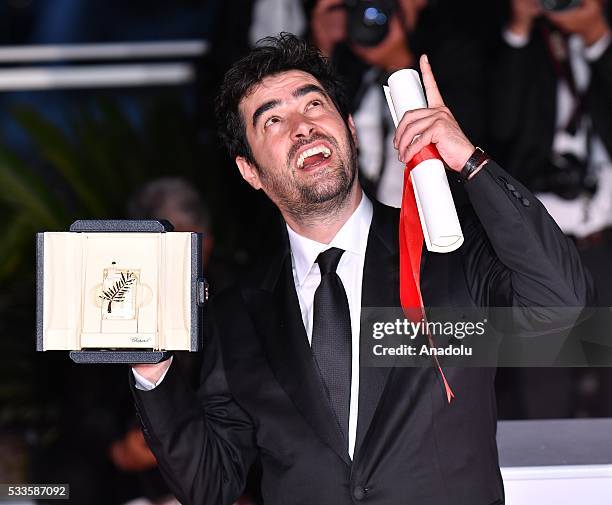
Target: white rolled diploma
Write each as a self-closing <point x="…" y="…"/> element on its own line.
<point x="437" y="212"/>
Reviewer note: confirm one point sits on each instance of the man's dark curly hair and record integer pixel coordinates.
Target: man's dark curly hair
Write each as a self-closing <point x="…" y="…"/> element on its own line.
<point x="271" y="55"/>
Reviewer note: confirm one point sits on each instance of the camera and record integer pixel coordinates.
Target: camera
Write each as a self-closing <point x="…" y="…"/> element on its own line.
<point x="368" y="20"/>
<point x="566" y="176"/>
<point x="558" y="5"/>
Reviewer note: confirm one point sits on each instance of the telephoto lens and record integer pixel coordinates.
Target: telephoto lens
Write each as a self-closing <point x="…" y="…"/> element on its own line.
<point x="368" y="20"/>
<point x="559" y="5"/>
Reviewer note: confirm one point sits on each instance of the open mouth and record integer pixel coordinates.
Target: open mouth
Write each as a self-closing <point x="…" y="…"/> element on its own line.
<point x="313" y="157"/>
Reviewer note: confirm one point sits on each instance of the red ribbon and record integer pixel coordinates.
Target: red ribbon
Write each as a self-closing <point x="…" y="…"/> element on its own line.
<point x="411" y="246"/>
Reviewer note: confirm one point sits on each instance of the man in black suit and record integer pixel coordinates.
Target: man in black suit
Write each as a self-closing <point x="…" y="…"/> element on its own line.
<point x="326" y="429"/>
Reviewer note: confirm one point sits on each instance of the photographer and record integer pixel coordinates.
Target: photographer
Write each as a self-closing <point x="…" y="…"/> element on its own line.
<point x="551" y="124"/>
<point x="367" y="41"/>
<point x="551" y="116"/>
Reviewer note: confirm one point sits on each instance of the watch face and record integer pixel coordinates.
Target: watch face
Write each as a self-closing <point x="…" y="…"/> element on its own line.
<point x="119" y="293"/>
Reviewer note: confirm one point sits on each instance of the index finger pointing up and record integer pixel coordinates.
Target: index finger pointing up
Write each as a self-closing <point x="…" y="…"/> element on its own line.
<point x="434" y="98"/>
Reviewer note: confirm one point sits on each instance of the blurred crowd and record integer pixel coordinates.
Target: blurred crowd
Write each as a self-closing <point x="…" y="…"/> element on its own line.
<point x="530" y="81"/>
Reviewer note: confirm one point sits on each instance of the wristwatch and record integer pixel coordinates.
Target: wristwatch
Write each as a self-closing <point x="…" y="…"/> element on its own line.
<point x="477" y="158"/>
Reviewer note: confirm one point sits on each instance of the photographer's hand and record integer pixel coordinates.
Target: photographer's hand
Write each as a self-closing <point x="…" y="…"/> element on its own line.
<point x="524" y="12"/>
<point x="586" y="20"/>
<point x="435" y="125"/>
<point x="392" y="53"/>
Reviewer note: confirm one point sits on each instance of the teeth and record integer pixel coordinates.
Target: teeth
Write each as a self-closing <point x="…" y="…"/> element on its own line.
<point x="311" y="152"/>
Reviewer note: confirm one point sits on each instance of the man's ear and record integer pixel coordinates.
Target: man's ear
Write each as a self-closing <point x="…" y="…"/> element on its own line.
<point x="248" y="171"/>
<point x="353" y="130"/>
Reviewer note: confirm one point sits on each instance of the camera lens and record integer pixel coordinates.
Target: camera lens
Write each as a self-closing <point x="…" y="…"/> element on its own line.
<point x="368" y="20"/>
<point x="372" y="16"/>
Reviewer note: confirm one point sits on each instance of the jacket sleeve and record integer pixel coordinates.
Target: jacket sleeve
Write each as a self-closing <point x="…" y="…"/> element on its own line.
<point x="524" y="260"/>
<point x="203" y="441"/>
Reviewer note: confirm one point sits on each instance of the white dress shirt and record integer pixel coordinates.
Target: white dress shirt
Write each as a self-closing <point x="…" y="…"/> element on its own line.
<point x="353" y="239"/>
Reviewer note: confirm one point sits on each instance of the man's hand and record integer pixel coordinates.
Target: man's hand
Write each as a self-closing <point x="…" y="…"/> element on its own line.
<point x="434" y="125"/>
<point x="524" y="12"/>
<point x="152" y="371"/>
<point x="587" y="20"/>
<point x="131" y="453"/>
<point x="392" y="53"/>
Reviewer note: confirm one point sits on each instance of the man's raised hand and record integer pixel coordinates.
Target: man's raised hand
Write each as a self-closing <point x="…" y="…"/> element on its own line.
<point x="434" y="125"/>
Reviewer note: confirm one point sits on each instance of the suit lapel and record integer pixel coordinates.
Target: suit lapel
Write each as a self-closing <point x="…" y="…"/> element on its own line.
<point x="274" y="309"/>
<point x="380" y="288"/>
<point x="278" y="322"/>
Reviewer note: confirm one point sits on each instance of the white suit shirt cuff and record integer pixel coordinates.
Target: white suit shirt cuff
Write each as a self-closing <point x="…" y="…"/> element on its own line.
<point x="145" y="384"/>
<point x="514" y="40"/>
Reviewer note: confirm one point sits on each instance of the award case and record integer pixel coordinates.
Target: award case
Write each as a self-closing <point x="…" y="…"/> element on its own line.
<point x="119" y="291"/>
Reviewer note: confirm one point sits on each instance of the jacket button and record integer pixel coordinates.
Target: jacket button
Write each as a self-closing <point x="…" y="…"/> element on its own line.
<point x="525" y="202"/>
<point x="510" y="187"/>
<point x="516" y="194"/>
<point x="359" y="493"/>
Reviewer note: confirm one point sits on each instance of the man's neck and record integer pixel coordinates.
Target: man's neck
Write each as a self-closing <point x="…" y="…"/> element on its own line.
<point x="324" y="228"/>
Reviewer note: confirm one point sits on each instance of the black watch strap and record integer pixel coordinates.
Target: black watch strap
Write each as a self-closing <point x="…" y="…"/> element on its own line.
<point x="477" y="158"/>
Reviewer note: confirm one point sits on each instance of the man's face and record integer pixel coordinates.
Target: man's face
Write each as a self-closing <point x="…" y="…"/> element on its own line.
<point x="305" y="155"/>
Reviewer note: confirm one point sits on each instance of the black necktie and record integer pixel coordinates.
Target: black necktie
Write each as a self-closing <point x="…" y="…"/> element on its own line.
<point x="331" y="336"/>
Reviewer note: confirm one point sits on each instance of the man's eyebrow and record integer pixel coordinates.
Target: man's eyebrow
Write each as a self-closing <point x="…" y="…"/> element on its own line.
<point x="309" y="88"/>
<point x="264" y="108"/>
<point x="302" y="91"/>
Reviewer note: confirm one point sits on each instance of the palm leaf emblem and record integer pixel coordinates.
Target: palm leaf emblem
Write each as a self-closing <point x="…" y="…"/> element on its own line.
<point x="117" y="291"/>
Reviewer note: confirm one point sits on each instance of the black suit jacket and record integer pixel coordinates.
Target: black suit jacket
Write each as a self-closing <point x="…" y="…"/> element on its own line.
<point x="261" y="396"/>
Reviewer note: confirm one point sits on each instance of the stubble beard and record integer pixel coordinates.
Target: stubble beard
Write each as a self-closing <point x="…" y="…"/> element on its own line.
<point x="321" y="198"/>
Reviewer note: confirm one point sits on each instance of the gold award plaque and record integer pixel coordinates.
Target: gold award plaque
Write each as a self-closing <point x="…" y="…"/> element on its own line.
<point x="119" y="289"/>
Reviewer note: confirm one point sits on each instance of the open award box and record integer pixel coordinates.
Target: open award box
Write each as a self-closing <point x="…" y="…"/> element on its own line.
<point x="119" y="291"/>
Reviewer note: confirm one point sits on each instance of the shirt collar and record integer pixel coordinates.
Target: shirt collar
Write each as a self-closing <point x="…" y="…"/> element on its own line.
<point x="352" y="238"/>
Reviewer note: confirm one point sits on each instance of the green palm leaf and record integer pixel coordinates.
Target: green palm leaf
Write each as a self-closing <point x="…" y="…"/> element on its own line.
<point x="22" y="190"/>
<point x="56" y="148"/>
